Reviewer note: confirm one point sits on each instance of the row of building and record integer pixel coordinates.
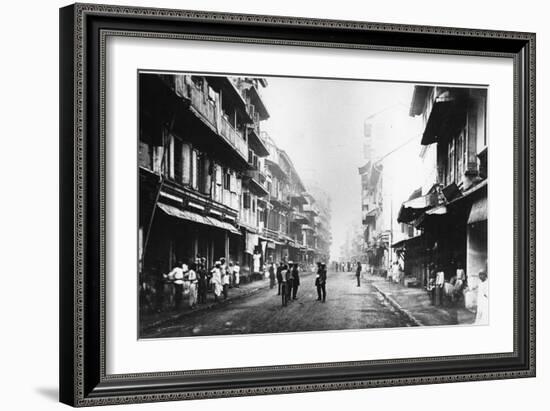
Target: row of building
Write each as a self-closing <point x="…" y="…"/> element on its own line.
<point x="213" y="184"/>
<point x="441" y="225"/>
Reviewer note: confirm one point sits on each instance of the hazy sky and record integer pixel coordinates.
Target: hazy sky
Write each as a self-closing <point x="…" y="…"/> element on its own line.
<point x="320" y="123"/>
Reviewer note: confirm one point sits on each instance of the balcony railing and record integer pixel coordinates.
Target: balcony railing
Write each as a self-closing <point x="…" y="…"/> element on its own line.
<point x="210" y="112"/>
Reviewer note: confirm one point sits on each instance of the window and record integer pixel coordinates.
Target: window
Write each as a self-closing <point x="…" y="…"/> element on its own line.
<point x="451" y="162"/>
<point x="246" y="200"/>
<point x="194" y="169"/>
<point x="226" y="179"/>
<point x="178" y="160"/>
<point x="186" y="163"/>
<point x="203" y="174"/>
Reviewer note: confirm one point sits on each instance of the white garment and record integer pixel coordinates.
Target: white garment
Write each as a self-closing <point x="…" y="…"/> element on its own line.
<point x="256" y="258"/>
<point x="177" y="275"/>
<point x="217" y="281"/>
<point x="482" y="315"/>
<point x="237" y="273"/>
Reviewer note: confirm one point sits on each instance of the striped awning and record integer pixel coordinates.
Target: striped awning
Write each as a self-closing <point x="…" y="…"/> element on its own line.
<point x="197" y="218"/>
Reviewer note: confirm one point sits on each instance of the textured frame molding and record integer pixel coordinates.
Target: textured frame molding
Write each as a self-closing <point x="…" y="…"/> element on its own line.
<point x="83" y="32"/>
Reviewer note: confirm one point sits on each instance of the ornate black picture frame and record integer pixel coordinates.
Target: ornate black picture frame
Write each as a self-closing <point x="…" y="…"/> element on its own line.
<point x="83" y="30"/>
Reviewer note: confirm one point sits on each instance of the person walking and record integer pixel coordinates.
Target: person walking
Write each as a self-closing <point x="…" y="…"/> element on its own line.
<point x="296" y="281"/>
<point x="193" y="284"/>
<point x="217" y="280"/>
<point x="358" y="273"/>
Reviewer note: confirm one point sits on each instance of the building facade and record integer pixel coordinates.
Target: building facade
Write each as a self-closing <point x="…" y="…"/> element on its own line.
<point x="211" y="182"/>
<point x="387" y="178"/>
<point x="450" y="206"/>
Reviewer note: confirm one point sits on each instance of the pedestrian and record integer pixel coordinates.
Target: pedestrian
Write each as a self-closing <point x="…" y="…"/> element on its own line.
<point x="318" y="281"/>
<point x="271" y="275"/>
<point x="193" y="284"/>
<point x="358" y="273"/>
<point x="279" y="278"/>
<point x="217" y="280"/>
<point x="176" y="277"/>
<point x="226" y="279"/>
<point x="289" y="281"/>
<point x="223" y="266"/>
<point x="482" y="313"/>
<point x="284" y="284"/>
<point x="323" y="281"/>
<point x="296" y="281"/>
<point x="203" y="281"/>
<point x="237" y="274"/>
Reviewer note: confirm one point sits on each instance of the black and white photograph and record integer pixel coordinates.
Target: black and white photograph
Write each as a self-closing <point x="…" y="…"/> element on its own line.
<point x="298" y="204"/>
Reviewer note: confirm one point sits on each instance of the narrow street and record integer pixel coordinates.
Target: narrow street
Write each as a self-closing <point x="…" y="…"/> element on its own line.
<point x="347" y="307"/>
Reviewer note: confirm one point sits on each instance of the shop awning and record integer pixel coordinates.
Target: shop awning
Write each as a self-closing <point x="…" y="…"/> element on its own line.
<point x="197" y="218"/>
<point x="223" y="225"/>
<point x="414" y="208"/>
<point x="478" y="212"/>
<point x="183" y="214"/>
<point x="439" y="210"/>
<point x="408" y="242"/>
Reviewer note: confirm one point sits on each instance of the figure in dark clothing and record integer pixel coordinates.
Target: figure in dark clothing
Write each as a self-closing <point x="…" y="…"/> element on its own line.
<point x="271" y="275"/>
<point x="289" y="280"/>
<point x="285" y="275"/>
<point x="358" y="274"/>
<point x="295" y="281"/>
<point x="321" y="289"/>
<point x="279" y="278"/>
<point x="203" y="281"/>
<point x="320" y="282"/>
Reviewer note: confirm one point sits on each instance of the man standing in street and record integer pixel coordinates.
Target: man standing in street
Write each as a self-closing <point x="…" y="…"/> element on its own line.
<point x="284" y="284"/>
<point x="279" y="277"/>
<point x="322" y="290"/>
<point x="203" y="281"/>
<point x="289" y="280"/>
<point x="295" y="280"/>
<point x="358" y="273"/>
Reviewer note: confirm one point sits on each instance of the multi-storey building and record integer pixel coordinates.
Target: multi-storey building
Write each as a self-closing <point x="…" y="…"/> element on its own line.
<point x="450" y="207"/>
<point x="193" y="151"/>
<point x="387" y="178"/>
<point x="212" y="183"/>
<point x="255" y="193"/>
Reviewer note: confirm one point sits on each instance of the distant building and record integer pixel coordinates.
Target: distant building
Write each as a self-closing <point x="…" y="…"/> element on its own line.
<point x="387" y="178"/>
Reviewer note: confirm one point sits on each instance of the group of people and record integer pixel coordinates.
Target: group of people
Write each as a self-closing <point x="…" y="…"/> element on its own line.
<point x="288" y="280"/>
<point x="343" y="266"/>
<point x="456" y="288"/>
<point x="195" y="280"/>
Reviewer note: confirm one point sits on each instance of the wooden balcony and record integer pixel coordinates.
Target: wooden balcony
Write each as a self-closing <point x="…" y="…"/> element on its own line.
<point x="212" y="115"/>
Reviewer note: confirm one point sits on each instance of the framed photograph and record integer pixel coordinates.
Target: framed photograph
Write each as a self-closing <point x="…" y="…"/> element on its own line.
<point x="261" y="204"/>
